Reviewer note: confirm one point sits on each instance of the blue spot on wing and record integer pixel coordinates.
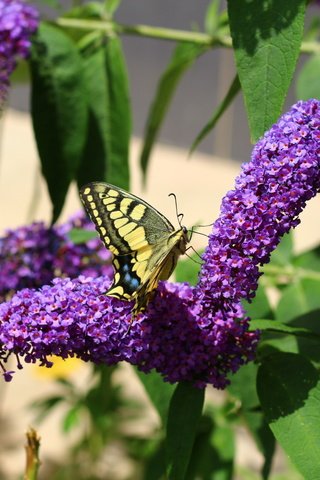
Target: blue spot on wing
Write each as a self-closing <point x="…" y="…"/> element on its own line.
<point x="133" y="283"/>
<point x="128" y="279"/>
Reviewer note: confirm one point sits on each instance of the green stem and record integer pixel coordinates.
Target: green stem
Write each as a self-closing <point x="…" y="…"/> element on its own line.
<point x="291" y="272"/>
<point x="110" y="27"/>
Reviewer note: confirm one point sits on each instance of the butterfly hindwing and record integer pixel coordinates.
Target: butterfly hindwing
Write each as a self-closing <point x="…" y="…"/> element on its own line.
<point x="144" y="244"/>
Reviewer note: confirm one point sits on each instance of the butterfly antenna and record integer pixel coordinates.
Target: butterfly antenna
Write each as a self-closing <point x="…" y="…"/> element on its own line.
<point x="194" y="251"/>
<point x="179" y="215"/>
<point x="192" y="231"/>
<point x="203" y="226"/>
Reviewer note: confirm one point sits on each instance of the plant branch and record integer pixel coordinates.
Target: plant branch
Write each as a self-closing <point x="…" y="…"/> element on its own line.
<point x="290" y="272"/>
<point x="110" y="28"/>
<point x="169" y="34"/>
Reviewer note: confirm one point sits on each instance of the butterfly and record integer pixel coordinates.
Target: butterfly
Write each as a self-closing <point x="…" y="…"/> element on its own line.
<point x="144" y="244"/>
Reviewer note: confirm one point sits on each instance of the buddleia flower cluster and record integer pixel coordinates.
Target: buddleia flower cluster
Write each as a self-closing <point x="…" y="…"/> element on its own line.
<point x="18" y="21"/>
<point x="32" y="255"/>
<point x="198" y="334"/>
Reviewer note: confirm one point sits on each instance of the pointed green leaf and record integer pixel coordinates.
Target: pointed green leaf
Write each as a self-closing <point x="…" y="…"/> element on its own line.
<point x="71" y="418"/>
<point x="184" y="415"/>
<point x="87" y="11"/>
<point x="260" y="306"/>
<point x="308" y="85"/>
<point x="80" y="235"/>
<point x="211" y="19"/>
<point x="243" y="387"/>
<point x="59" y="110"/>
<point x="283" y="254"/>
<point x="111" y="6"/>
<point x="309" y="346"/>
<point x="266" y="38"/>
<point x="213" y="451"/>
<point x="308" y="260"/>
<point x="232" y="92"/>
<point x="289" y="390"/>
<point x="275" y="326"/>
<point x="183" y="57"/>
<point x="106" y="153"/>
<point x="96" y="153"/>
<point x="21" y="74"/>
<point x="303" y="336"/>
<point x="298" y="298"/>
<point x="119" y="114"/>
<point x="263" y="437"/>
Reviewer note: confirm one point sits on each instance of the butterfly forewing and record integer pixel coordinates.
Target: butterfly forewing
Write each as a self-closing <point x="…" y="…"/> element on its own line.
<point x="144" y="243"/>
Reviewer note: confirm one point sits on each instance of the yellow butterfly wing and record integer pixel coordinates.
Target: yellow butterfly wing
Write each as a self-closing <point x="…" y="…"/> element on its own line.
<point x="144" y="243"/>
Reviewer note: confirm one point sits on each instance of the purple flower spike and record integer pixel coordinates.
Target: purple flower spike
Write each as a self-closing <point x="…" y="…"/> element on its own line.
<point x="75" y="318"/>
<point x="18" y="21"/>
<point x="32" y="256"/>
<point x="198" y="334"/>
<point x="269" y="194"/>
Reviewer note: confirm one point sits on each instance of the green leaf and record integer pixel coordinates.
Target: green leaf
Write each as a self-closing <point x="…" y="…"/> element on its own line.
<point x="275" y="326"/>
<point x="159" y="392"/>
<point x="88" y="11"/>
<point x="308" y="80"/>
<point x="59" y="110"/>
<point x="71" y="418"/>
<point x="260" y="306"/>
<point x="232" y="92"/>
<point x="308" y="346"/>
<point x="184" y="415"/>
<point x="211" y="19"/>
<point x="213" y="451"/>
<point x="96" y="153"/>
<point x="21" y="73"/>
<point x="283" y="254"/>
<point x="183" y="57"/>
<point x="187" y="270"/>
<point x="243" y="387"/>
<point x="80" y="235"/>
<point x="303" y="336"/>
<point x="263" y="437"/>
<point x="309" y="260"/>
<point x="111" y="6"/>
<point x="298" y="298"/>
<point x="266" y="38"/>
<point x="106" y="153"/>
<point x="43" y="407"/>
<point x="154" y="466"/>
<point x="119" y="114"/>
<point x="289" y="390"/>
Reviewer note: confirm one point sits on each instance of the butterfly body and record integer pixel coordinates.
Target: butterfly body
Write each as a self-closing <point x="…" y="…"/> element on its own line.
<point x="144" y="244"/>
